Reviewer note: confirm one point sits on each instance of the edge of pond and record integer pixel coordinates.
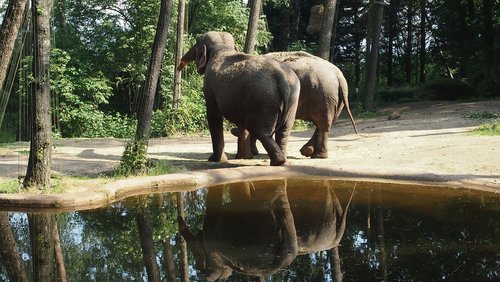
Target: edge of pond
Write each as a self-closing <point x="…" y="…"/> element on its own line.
<point x="192" y="180"/>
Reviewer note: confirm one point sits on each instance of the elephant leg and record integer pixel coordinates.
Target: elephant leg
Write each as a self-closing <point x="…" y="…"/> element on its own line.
<point x="253" y="145"/>
<point x="244" y="140"/>
<point x="273" y="150"/>
<point x="216" y="132"/>
<point x="321" y="149"/>
<point x="308" y="149"/>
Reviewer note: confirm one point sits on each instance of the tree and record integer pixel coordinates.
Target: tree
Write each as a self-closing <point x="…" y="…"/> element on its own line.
<point x="38" y="172"/>
<point x="178" y="50"/>
<point x="253" y="24"/>
<point x="422" y="49"/>
<point x="8" y="33"/>
<point x="325" y="36"/>
<point x="9" y="254"/>
<point x="376" y="12"/>
<point x="134" y="159"/>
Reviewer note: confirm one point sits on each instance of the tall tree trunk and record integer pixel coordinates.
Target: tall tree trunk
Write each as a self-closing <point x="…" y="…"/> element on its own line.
<point x="61" y="268"/>
<point x="184" y="265"/>
<point x="331" y="57"/>
<point x="178" y="51"/>
<point x="42" y="247"/>
<point x="38" y="172"/>
<point x="253" y="25"/>
<point x="325" y="36"/>
<point x="423" y="30"/>
<point x="8" y="32"/>
<point x="297" y="12"/>
<point x="391" y="35"/>
<point x="409" y="42"/>
<point x="488" y="41"/>
<point x="376" y="14"/>
<point x="168" y="260"/>
<point x="148" y="91"/>
<point x="9" y="254"/>
<point x="147" y="246"/>
<point x="357" y="44"/>
<point x="134" y="158"/>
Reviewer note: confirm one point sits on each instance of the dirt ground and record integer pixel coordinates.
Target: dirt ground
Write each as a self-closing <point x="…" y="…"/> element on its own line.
<point x="430" y="140"/>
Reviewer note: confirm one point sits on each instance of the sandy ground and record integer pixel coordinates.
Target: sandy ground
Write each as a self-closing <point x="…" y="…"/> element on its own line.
<point x="431" y="140"/>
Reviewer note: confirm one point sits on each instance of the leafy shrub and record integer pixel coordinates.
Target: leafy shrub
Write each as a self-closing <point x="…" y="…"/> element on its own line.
<point x="80" y="95"/>
<point x="398" y="94"/>
<point x="447" y="89"/>
<point x="489" y="129"/>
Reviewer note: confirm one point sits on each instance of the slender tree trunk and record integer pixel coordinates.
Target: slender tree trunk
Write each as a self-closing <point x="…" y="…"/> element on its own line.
<point x="169" y="260"/>
<point x="154" y="68"/>
<point x="336" y="270"/>
<point x="8" y="33"/>
<point x="134" y="158"/>
<point x="38" y="173"/>
<point x="376" y="15"/>
<point x="184" y="265"/>
<point x="331" y="57"/>
<point x="9" y="254"/>
<point x="325" y="36"/>
<point x="391" y="35"/>
<point x="357" y="45"/>
<point x="253" y="25"/>
<point x="59" y="255"/>
<point x="488" y="41"/>
<point x="422" y="51"/>
<point x="178" y="51"/>
<point x="294" y="31"/>
<point x="409" y="42"/>
<point x="42" y="247"/>
<point x="147" y="246"/>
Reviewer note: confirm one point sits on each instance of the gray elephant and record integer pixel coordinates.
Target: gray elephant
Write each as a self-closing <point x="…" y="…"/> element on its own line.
<point x="257" y="94"/>
<point x="264" y="227"/>
<point x="323" y="95"/>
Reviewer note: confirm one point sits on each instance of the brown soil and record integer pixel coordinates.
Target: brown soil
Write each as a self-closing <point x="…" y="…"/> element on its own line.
<point x="430" y="140"/>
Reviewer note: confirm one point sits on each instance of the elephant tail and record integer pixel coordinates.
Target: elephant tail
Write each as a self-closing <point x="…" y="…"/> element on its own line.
<point x="289" y="90"/>
<point x="344" y="96"/>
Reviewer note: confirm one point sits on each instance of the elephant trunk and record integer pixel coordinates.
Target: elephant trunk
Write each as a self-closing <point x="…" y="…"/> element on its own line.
<point x="187" y="58"/>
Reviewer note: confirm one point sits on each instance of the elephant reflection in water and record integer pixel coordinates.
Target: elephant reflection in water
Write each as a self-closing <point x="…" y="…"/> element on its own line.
<point x="264" y="226"/>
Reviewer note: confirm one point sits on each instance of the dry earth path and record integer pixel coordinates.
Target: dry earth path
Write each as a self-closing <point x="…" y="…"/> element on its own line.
<point x="431" y="141"/>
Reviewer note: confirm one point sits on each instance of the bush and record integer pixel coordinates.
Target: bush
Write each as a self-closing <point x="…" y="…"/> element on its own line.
<point x="399" y="94"/>
<point x="447" y="89"/>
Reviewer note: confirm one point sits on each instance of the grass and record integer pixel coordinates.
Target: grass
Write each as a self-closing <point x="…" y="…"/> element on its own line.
<point x="9" y="186"/>
<point x="489" y="129"/>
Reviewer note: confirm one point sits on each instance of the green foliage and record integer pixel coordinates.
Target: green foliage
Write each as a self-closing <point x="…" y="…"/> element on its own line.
<point x="447" y="89"/>
<point x="482" y="115"/>
<point x="80" y="96"/>
<point x="134" y="159"/>
<point x="489" y="129"/>
<point x="11" y="186"/>
<point x="399" y="94"/>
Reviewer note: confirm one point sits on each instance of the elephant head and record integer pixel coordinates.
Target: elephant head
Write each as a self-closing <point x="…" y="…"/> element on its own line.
<point x="199" y="52"/>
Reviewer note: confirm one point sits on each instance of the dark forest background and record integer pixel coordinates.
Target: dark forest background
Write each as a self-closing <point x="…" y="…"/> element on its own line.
<point x="100" y="51"/>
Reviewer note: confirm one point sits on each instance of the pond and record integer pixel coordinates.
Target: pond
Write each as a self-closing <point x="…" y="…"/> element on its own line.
<point x="276" y="230"/>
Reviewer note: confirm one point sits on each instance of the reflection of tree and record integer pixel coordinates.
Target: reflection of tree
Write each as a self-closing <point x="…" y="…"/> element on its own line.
<point x="8" y="251"/>
<point x="42" y="246"/>
<point x="147" y="246"/>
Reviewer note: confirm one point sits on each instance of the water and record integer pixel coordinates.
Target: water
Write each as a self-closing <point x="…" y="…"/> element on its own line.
<point x="284" y="230"/>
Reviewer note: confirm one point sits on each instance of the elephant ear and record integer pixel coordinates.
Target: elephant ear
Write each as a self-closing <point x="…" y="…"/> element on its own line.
<point x="201" y="58"/>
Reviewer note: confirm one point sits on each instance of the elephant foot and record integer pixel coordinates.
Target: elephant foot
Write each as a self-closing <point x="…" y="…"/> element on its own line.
<point x="321" y="155"/>
<point x="278" y="162"/>
<point x="307" y="150"/>
<point x="243" y="155"/>
<point x="218" y="159"/>
<point x="255" y="151"/>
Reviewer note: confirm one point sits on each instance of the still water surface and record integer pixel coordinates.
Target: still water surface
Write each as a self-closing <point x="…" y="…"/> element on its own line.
<point x="282" y="230"/>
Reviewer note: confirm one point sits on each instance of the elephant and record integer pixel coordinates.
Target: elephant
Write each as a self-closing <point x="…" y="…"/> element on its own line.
<point x="264" y="227"/>
<point x="323" y="95"/>
<point x="257" y="94"/>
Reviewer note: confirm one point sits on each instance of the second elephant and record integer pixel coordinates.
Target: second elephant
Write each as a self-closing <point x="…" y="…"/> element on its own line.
<point x="323" y="95"/>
